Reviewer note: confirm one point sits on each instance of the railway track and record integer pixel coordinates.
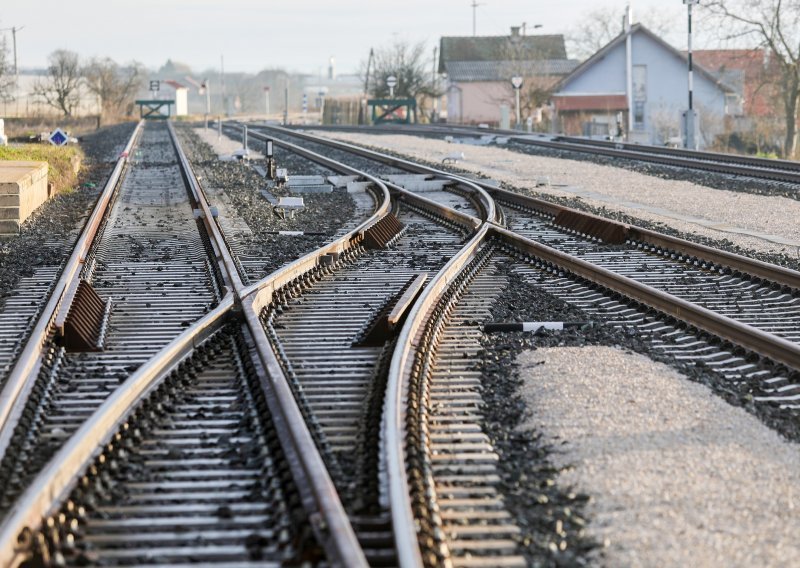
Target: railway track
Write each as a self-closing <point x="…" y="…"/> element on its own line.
<point x="469" y="525"/>
<point x="784" y="171"/>
<point x="749" y="291"/>
<point x="193" y="451"/>
<point x="330" y="412"/>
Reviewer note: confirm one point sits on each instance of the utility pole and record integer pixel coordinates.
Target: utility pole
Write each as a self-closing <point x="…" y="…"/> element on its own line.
<point x="222" y="84"/>
<point x="286" y="103"/>
<point x="435" y="116"/>
<point x="369" y="67"/>
<point x="690" y="123"/>
<point x="14" y="31"/>
<point x="208" y="99"/>
<point x="516" y="82"/>
<point x="474" y="16"/>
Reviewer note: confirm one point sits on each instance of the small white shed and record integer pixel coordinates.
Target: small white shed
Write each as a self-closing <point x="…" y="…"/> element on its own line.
<point x="181" y="97"/>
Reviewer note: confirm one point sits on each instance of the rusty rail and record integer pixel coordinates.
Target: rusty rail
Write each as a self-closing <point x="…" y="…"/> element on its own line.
<point x="18" y="385"/>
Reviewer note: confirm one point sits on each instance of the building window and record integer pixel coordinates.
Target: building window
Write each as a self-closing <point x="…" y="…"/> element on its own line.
<point x="639" y="83"/>
<point x="734" y="105"/>
<point x="638" y="114"/>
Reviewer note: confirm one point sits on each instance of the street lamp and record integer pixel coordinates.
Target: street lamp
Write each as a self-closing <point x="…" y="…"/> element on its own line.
<point x="690" y="121"/>
<point x="516" y="82"/>
<point x="391" y="82"/>
<point x="525" y="27"/>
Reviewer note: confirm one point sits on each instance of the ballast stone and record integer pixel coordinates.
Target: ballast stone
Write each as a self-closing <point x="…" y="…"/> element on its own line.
<point x="23" y="188"/>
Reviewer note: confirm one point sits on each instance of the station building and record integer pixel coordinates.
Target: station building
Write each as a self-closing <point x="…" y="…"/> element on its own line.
<point x="478" y="72"/>
<point x="649" y="96"/>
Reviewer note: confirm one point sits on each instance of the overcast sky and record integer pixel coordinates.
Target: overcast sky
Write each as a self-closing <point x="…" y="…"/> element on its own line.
<point x="297" y="35"/>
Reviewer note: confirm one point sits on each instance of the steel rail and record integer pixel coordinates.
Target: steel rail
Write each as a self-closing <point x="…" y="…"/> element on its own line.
<point x="53" y="484"/>
<point x="698" y="159"/>
<point x="218" y="241"/>
<point x="59" y="476"/>
<point x="485" y="203"/>
<point x="765" y="163"/>
<point x="328" y="517"/>
<point x="681" y="161"/>
<point x="18" y="385"/>
<point x="753" y="339"/>
<point x="260" y="296"/>
<point x="752" y="267"/>
<point x="402" y="363"/>
<point x="400" y="370"/>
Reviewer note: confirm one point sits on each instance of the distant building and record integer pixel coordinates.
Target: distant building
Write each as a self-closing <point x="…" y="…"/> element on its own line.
<point x="181" y="97"/>
<point x="478" y="72"/>
<point x="588" y="100"/>
<point x="748" y="72"/>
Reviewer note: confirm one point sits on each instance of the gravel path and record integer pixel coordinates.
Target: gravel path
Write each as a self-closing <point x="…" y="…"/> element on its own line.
<point x="676" y="476"/>
<point x="731" y="210"/>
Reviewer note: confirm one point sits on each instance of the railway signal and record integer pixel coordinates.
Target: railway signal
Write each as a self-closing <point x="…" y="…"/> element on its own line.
<point x="516" y="82"/>
<point x="391" y="82"/>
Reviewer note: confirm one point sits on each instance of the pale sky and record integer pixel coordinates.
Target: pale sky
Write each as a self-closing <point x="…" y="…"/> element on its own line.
<point x="297" y="35"/>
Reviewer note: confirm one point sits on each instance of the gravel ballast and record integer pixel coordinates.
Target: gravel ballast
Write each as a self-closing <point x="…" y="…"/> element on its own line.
<point x="31" y="262"/>
<point x="771" y="215"/>
<point x="676" y="476"/>
<point x="248" y="217"/>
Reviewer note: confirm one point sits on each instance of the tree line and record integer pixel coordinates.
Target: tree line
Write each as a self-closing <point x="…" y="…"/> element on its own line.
<point x="114" y="85"/>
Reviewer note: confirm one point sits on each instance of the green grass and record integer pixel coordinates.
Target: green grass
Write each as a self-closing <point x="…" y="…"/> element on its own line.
<point x="59" y="160"/>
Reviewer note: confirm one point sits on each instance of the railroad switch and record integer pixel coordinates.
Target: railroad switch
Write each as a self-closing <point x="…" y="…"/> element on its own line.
<point x="391" y="316"/>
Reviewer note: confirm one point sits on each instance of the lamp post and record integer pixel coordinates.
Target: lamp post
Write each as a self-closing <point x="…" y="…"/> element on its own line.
<point x="690" y="122"/>
<point x="391" y="82"/>
<point x="516" y="82"/>
<point x="204" y="88"/>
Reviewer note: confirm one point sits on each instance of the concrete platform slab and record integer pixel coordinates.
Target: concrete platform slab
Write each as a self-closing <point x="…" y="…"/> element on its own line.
<point x="23" y="188"/>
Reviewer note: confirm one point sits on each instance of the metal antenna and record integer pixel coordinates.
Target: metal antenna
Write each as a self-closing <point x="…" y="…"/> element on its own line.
<point x="474" y="15"/>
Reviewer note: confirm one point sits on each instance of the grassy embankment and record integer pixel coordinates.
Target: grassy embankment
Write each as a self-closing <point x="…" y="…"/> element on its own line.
<point x="63" y="162"/>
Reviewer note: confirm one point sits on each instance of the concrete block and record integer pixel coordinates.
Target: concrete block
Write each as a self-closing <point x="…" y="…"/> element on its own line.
<point x="357" y="186"/>
<point x="401" y="179"/>
<point x="23" y="187"/>
<point x="9" y="228"/>
<point x="9" y="213"/>
<point x="426" y="185"/>
<point x="341" y="181"/>
<point x="323" y="188"/>
<point x="9" y="200"/>
<point x="307" y="180"/>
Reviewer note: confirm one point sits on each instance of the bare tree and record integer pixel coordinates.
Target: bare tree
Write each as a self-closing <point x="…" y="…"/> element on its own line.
<point x="406" y="62"/>
<point x="602" y="25"/>
<point x="6" y="73"/>
<point x="115" y="86"/>
<point x="775" y="26"/>
<point x="60" y="89"/>
<point x="531" y="62"/>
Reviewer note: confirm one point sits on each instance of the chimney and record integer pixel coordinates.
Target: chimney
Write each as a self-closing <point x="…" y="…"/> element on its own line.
<point x="514" y="31"/>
